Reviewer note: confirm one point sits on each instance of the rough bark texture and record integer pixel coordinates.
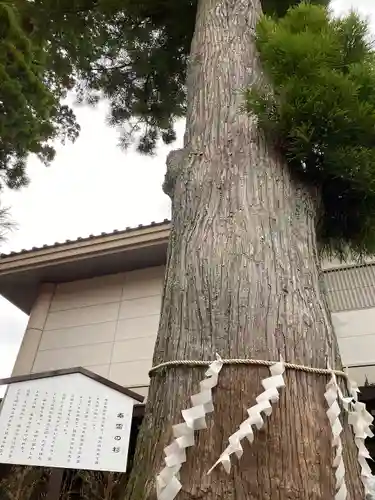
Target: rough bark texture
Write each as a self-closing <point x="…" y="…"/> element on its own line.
<point x="242" y="280"/>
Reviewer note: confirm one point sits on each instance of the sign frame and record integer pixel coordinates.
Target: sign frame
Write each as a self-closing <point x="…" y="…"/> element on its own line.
<point x="70" y="371"/>
<point x="138" y="409"/>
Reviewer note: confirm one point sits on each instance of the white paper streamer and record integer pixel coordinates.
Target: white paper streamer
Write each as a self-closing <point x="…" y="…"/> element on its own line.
<point x="371" y="485"/>
<point x="332" y="396"/>
<point x="361" y="420"/>
<point x="264" y="400"/>
<point x="167" y="482"/>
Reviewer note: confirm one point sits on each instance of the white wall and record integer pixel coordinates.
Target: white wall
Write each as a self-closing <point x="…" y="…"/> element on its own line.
<point x="350" y="292"/>
<point x="109" y="325"/>
<point x="355" y="331"/>
<point x="106" y="324"/>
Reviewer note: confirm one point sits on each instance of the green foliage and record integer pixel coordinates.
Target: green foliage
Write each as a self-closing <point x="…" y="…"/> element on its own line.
<point x="319" y="107"/>
<point x="30" y="112"/>
<point x="279" y="8"/>
<point x="131" y="52"/>
<point x="320" y="111"/>
<point x="7" y="225"/>
<point x="143" y="68"/>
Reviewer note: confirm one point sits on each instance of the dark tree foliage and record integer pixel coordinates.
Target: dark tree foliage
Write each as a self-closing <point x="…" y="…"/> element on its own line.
<point x="131" y="52"/>
<point x="320" y="110"/>
<point x="31" y="112"/>
<point x="134" y="53"/>
<point x="279" y="8"/>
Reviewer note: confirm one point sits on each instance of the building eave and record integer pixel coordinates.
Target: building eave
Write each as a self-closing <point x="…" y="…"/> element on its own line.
<point x="335" y="264"/>
<point x="134" y="248"/>
<point x="21" y="273"/>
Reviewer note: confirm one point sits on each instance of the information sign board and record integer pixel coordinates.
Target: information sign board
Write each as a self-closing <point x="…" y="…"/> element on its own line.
<point x="68" y="421"/>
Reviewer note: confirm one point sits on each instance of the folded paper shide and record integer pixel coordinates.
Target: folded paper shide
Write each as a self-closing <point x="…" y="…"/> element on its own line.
<point x="332" y="395"/>
<point x="255" y="418"/>
<point x="361" y="421"/>
<point x="167" y="481"/>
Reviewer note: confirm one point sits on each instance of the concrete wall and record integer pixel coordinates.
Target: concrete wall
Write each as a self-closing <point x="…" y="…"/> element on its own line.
<point x="351" y="298"/>
<point x="106" y="324"/>
<point x="109" y="324"/>
<point x="356" y="335"/>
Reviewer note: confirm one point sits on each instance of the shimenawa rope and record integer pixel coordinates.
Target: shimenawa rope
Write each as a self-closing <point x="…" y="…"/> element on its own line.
<point x="261" y="362"/>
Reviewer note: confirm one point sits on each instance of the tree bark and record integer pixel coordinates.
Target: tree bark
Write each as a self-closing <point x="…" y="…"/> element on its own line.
<point x="243" y="280"/>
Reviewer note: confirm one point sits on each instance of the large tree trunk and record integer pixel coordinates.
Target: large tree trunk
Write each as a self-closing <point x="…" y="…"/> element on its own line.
<point x="243" y="280"/>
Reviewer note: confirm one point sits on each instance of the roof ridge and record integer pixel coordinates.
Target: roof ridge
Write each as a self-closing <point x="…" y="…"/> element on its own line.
<point x="85" y="238"/>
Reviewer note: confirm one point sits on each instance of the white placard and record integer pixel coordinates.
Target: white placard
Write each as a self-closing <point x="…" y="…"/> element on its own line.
<point x="68" y="421"/>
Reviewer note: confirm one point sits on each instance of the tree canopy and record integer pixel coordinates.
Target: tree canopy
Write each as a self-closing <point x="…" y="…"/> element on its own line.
<point x="320" y="111"/>
<point x="134" y="53"/>
<point x="31" y="111"/>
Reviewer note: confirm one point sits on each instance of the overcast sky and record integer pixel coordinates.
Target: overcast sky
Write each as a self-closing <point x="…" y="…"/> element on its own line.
<point x="91" y="187"/>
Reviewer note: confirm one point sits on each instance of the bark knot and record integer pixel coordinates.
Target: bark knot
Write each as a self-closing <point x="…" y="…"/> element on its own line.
<point x="175" y="161"/>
